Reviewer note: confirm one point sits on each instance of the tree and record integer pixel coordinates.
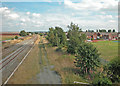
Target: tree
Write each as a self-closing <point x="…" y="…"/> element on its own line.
<point x="113" y="70"/>
<point x="98" y="34"/>
<point x="61" y="35"/>
<point x="96" y="30"/>
<point x="51" y="36"/>
<point x="57" y="36"/>
<point x="113" y="30"/>
<point x="36" y="32"/>
<point x="12" y="38"/>
<point x="41" y="34"/>
<point x="82" y="37"/>
<point x="109" y="31"/>
<point x="57" y="40"/>
<point x="23" y="33"/>
<point x="87" y="58"/>
<point x="27" y="33"/>
<point x="103" y="30"/>
<point x="73" y="29"/>
<point x="16" y="37"/>
<point x="72" y="45"/>
<point x="75" y="38"/>
<point x="90" y="30"/>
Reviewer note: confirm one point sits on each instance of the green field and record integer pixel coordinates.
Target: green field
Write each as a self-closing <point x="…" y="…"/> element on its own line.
<point x="107" y="49"/>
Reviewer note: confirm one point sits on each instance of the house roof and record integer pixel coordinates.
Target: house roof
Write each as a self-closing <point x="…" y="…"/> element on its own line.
<point x="88" y="33"/>
<point x="101" y="33"/>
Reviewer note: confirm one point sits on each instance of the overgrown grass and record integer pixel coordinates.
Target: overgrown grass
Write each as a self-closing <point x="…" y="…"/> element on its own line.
<point x="64" y="65"/>
<point x="108" y="49"/>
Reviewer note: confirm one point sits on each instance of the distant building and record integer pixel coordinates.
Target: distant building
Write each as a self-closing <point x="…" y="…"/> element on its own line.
<point x="118" y="35"/>
<point x="89" y="35"/>
<point x="102" y="35"/>
<point x="94" y="36"/>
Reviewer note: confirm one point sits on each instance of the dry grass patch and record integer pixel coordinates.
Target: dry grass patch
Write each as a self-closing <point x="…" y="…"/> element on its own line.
<point x="7" y="37"/>
<point x="64" y="65"/>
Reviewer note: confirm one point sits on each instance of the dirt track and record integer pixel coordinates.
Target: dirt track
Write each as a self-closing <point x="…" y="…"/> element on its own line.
<point x="46" y="75"/>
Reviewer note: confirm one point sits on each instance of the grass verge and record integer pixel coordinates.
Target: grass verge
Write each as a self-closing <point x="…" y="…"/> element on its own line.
<point x="108" y="49"/>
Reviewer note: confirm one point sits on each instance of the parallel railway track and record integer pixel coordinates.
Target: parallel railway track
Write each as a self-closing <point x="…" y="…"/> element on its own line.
<point x="10" y="62"/>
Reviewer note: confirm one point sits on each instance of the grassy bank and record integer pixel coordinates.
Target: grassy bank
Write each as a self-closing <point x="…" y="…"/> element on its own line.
<point x="108" y="49"/>
<point x="64" y="65"/>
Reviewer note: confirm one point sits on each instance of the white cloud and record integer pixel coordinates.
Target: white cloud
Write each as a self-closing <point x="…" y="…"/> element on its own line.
<point x="2" y="9"/>
<point x="35" y="21"/>
<point x="93" y="5"/>
<point x="105" y="16"/>
<point x="7" y="13"/>
<point x="13" y="16"/>
<point x="112" y="21"/>
<point x="27" y="13"/>
<point x="23" y="20"/>
<point x="103" y="13"/>
<point x="36" y="14"/>
<point x="109" y="16"/>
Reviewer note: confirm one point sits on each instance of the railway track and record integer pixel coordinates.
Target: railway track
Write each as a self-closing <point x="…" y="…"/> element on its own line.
<point x="11" y="49"/>
<point x="10" y="62"/>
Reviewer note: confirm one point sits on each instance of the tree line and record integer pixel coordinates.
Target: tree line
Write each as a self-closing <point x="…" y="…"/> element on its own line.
<point x="102" y="30"/>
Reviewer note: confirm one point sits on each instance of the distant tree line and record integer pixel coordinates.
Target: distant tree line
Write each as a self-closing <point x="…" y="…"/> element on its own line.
<point x="102" y="30"/>
<point x="24" y="33"/>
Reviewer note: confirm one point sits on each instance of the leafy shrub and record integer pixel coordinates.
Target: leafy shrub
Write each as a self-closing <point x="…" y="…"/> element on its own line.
<point x="113" y="70"/>
<point x="16" y="37"/>
<point x="41" y="34"/>
<point x="49" y="45"/>
<point x="101" y="81"/>
<point x="23" y="33"/>
<point x="12" y="38"/>
<point x="59" y="48"/>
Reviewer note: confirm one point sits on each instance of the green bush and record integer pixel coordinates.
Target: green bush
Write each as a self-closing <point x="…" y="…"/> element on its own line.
<point x="41" y="34"/>
<point x="59" y="48"/>
<point x="12" y="38"/>
<point x="113" y="70"/>
<point x="101" y="81"/>
<point x="16" y="37"/>
<point x="23" y="33"/>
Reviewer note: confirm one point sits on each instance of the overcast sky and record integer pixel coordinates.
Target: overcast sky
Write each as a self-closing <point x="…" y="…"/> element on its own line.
<point x="42" y="14"/>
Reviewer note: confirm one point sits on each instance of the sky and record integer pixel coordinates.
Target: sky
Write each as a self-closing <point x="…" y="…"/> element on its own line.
<point x="40" y="15"/>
